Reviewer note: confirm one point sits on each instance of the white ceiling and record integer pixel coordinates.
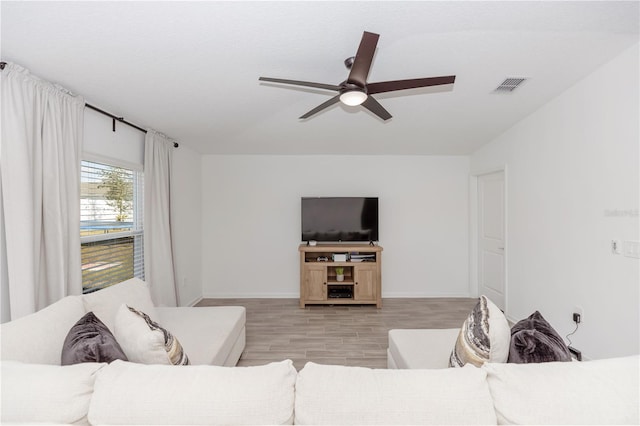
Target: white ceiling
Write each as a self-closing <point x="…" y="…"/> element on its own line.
<point x="190" y="69"/>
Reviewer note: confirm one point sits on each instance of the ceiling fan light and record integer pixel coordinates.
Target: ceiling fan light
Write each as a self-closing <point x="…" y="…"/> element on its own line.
<point x="353" y="97"/>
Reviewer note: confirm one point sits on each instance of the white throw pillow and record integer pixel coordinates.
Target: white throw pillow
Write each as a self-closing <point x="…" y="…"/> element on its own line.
<point x="484" y="336"/>
<point x="38" y="338"/>
<point x="106" y="302"/>
<point x="332" y="394"/>
<point x="128" y="393"/>
<point x="590" y="392"/>
<point x="37" y="393"/>
<point x="145" y="341"/>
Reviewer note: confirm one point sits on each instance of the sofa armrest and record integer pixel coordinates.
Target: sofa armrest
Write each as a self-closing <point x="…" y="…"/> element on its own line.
<point x="424" y="348"/>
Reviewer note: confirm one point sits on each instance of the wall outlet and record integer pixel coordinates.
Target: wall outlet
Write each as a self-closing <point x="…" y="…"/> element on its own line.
<point x="184" y="282"/>
<point x="579" y="312"/>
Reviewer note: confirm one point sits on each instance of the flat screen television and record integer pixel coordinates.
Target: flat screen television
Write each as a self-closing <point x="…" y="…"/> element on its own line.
<point x="337" y="219"/>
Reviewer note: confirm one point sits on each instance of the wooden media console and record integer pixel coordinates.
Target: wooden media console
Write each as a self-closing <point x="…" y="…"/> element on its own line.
<point x="362" y="280"/>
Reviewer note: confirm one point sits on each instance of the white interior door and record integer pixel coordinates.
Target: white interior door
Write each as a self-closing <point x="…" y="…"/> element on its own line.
<point x="491" y="236"/>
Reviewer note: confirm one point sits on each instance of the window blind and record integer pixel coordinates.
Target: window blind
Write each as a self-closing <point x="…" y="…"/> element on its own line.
<point x="111" y="225"/>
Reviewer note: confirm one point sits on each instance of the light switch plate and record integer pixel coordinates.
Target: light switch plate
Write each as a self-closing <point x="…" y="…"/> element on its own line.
<point x="632" y="249"/>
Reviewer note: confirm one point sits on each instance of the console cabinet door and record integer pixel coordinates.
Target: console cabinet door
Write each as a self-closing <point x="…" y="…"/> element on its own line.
<point x="316" y="283"/>
<point x="366" y="277"/>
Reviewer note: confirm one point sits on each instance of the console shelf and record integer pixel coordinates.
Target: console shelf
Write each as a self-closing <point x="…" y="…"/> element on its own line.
<point x="319" y="283"/>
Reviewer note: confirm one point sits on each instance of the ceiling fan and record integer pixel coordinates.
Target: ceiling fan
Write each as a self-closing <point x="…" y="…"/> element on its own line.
<point x="355" y="90"/>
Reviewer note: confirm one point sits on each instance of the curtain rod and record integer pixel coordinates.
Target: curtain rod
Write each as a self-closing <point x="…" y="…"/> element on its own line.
<point x="113" y="117"/>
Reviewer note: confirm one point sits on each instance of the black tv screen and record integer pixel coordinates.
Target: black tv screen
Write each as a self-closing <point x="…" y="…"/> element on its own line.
<point x="339" y="219"/>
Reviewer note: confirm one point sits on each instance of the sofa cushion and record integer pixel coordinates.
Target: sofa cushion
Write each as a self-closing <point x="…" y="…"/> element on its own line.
<point x="38" y="338"/>
<point x="533" y="339"/>
<point x="145" y="341"/>
<point x="224" y="327"/>
<point x="484" y="336"/>
<point x="421" y="348"/>
<point x="106" y="302"/>
<point x="38" y="393"/>
<point x="590" y="392"/>
<point x="89" y="340"/>
<point x="328" y="394"/>
<point x="128" y="393"/>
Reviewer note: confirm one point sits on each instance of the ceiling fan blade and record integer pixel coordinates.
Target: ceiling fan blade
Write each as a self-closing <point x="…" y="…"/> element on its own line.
<point x="390" y="86"/>
<point x="301" y="83"/>
<point x="322" y="106"/>
<point x="374" y="106"/>
<point x="364" y="57"/>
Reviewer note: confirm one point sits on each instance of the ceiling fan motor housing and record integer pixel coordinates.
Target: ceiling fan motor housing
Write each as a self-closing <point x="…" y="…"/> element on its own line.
<point x="345" y="86"/>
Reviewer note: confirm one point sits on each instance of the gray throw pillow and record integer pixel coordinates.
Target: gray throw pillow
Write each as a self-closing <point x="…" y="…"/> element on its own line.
<point x="89" y="340"/>
<point x="534" y="340"/>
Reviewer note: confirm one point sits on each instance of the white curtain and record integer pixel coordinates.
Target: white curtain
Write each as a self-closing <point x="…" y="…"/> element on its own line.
<point x="158" y="245"/>
<point x="42" y="128"/>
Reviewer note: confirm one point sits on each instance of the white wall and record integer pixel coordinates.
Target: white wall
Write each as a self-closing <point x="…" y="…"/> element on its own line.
<point x="125" y="145"/>
<point x="570" y="163"/>
<point x="187" y="218"/>
<point x="251" y="220"/>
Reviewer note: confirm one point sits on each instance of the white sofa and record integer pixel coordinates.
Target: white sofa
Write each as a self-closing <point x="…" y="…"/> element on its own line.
<point x="209" y="335"/>
<point x="37" y="389"/>
<point x="590" y="392"/>
<point x="594" y="392"/>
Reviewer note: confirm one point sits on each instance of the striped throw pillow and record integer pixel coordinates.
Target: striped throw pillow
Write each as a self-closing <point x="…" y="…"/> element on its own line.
<point x="145" y="341"/>
<point x="484" y="336"/>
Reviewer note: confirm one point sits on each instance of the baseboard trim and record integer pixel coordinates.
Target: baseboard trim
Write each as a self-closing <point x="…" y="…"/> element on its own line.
<point x="512" y="321"/>
<point x="252" y="296"/>
<point x="194" y="302"/>
<point x="297" y="296"/>
<point x="425" y="296"/>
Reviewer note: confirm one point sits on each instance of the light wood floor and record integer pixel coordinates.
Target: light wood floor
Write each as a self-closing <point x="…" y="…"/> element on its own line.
<point x="278" y="329"/>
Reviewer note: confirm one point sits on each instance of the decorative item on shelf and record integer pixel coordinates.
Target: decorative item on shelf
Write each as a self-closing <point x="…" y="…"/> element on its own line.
<point x="364" y="257"/>
<point x="339" y="273"/>
<point x="339" y="257"/>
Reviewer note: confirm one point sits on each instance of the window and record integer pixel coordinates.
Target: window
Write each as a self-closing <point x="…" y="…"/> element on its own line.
<point x="111" y="231"/>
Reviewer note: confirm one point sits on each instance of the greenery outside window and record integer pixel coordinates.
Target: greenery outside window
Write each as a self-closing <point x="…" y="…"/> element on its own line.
<point x="111" y="228"/>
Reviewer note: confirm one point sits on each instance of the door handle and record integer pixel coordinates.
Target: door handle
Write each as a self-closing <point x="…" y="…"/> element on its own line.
<point x="500" y="248"/>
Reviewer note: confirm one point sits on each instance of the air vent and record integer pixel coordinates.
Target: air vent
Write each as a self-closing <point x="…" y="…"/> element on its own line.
<point x="509" y="84"/>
